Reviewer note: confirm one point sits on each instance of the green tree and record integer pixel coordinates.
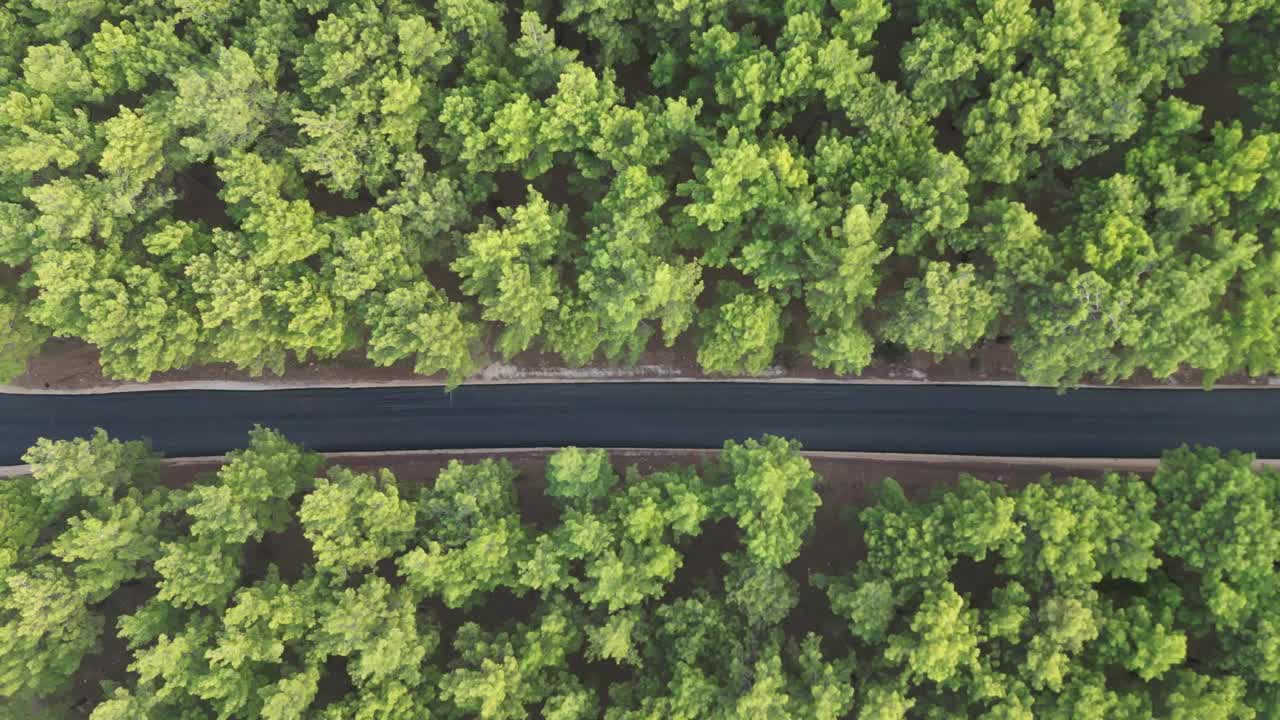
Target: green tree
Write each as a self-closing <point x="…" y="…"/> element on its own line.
<point x="770" y="494"/>
<point x="510" y="270"/>
<point x="950" y="309"/>
<point x="354" y="520"/>
<point x="419" y="320"/>
<point x="22" y="338"/>
<point x="740" y="333"/>
<point x="845" y="280"/>
<point x="500" y="675"/>
<point x="224" y="106"/>
<point x="470" y="536"/>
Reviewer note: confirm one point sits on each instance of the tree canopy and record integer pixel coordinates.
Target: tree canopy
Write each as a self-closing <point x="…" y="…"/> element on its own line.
<point x="278" y="588"/>
<point x="1093" y="182"/>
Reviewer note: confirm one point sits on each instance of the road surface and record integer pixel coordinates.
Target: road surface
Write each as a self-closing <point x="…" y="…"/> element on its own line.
<point x="947" y="419"/>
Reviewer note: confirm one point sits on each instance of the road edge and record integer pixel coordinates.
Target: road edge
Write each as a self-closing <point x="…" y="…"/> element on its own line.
<point x="958" y="461"/>
<point x="268" y="385"/>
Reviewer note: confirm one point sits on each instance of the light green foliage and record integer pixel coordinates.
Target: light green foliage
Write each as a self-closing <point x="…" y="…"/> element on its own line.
<point x="89" y="471"/>
<point x="626" y="544"/>
<point x="86" y="522"/>
<point x="1120" y="597"/>
<point x="141" y="322"/>
<point x="577" y="478"/>
<point x="224" y="106"/>
<point x="106" y="550"/>
<point x="1079" y="533"/>
<point x="48" y="628"/>
<point x="366" y="77"/>
<point x="441" y="182"/>
<point x="251" y="312"/>
<point x="22" y="517"/>
<point x="1072" y="330"/>
<point x="253" y="493"/>
<point x="381" y="632"/>
<point x="1197" y="696"/>
<point x="56" y="71"/>
<point x="846" y="278"/>
<point x="1146" y="644"/>
<point x="772" y="497"/>
<point x="869" y="606"/>
<point x="250" y="498"/>
<point x="1018" y="246"/>
<point x="885" y="703"/>
<point x="740" y="333"/>
<point x="510" y="270"/>
<point x="1053" y="619"/>
<point x="942" y="640"/>
<point x="132" y="156"/>
<point x="950" y="309"/>
<point x="628" y="277"/>
<point x="353" y="520"/>
<point x="763" y="593"/>
<point x="197" y="572"/>
<point x="19" y="338"/>
<point x="935" y="203"/>
<point x="754" y="204"/>
<point x="646" y="520"/>
<point x="278" y="230"/>
<point x="419" y="320"/>
<point x="498" y="676"/>
<point x="1219" y="520"/>
<point x="1002" y="131"/>
<point x="469" y="533"/>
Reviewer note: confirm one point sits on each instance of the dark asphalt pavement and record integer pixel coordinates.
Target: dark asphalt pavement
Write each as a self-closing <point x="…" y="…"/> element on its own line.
<point x="968" y="420"/>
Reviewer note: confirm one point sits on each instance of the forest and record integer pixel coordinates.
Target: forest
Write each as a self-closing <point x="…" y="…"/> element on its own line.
<point x="276" y="588"/>
<point x="1095" y="183"/>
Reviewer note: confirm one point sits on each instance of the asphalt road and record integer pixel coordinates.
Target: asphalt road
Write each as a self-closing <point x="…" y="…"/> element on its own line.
<point x="967" y="420"/>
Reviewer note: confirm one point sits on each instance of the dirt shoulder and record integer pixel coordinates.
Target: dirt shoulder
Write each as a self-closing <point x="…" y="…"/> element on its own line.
<point x="71" y="366"/>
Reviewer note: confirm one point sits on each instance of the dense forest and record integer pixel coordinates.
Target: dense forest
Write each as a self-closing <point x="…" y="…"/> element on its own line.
<point x="1095" y="182"/>
<point x="277" y="589"/>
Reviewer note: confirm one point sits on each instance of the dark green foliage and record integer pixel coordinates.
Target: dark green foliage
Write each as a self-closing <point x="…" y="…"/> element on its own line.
<point x="214" y="181"/>
<point x="265" y="591"/>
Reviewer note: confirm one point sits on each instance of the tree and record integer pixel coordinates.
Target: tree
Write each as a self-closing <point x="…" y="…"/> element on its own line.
<point x="510" y="270"/>
<point x="845" y="281"/>
<point x="470" y="535"/>
<point x="772" y="496"/>
<point x="1073" y="328"/>
<point x="224" y="106"/>
<point x="741" y="332"/>
<point x="22" y="339"/>
<point x="85" y="522"/>
<point x="499" y="675"/>
<point x="952" y="308"/>
<point x="253" y="490"/>
<point x="943" y="638"/>
<point x="48" y="628"/>
<point x="419" y="319"/>
<point x="974" y="598"/>
<point x="354" y="520"/>
<point x="1217" y="514"/>
<point x="1003" y="131"/>
<point x="577" y="478"/>
<point x="385" y="639"/>
<point x="72" y="473"/>
<point x="361" y="148"/>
